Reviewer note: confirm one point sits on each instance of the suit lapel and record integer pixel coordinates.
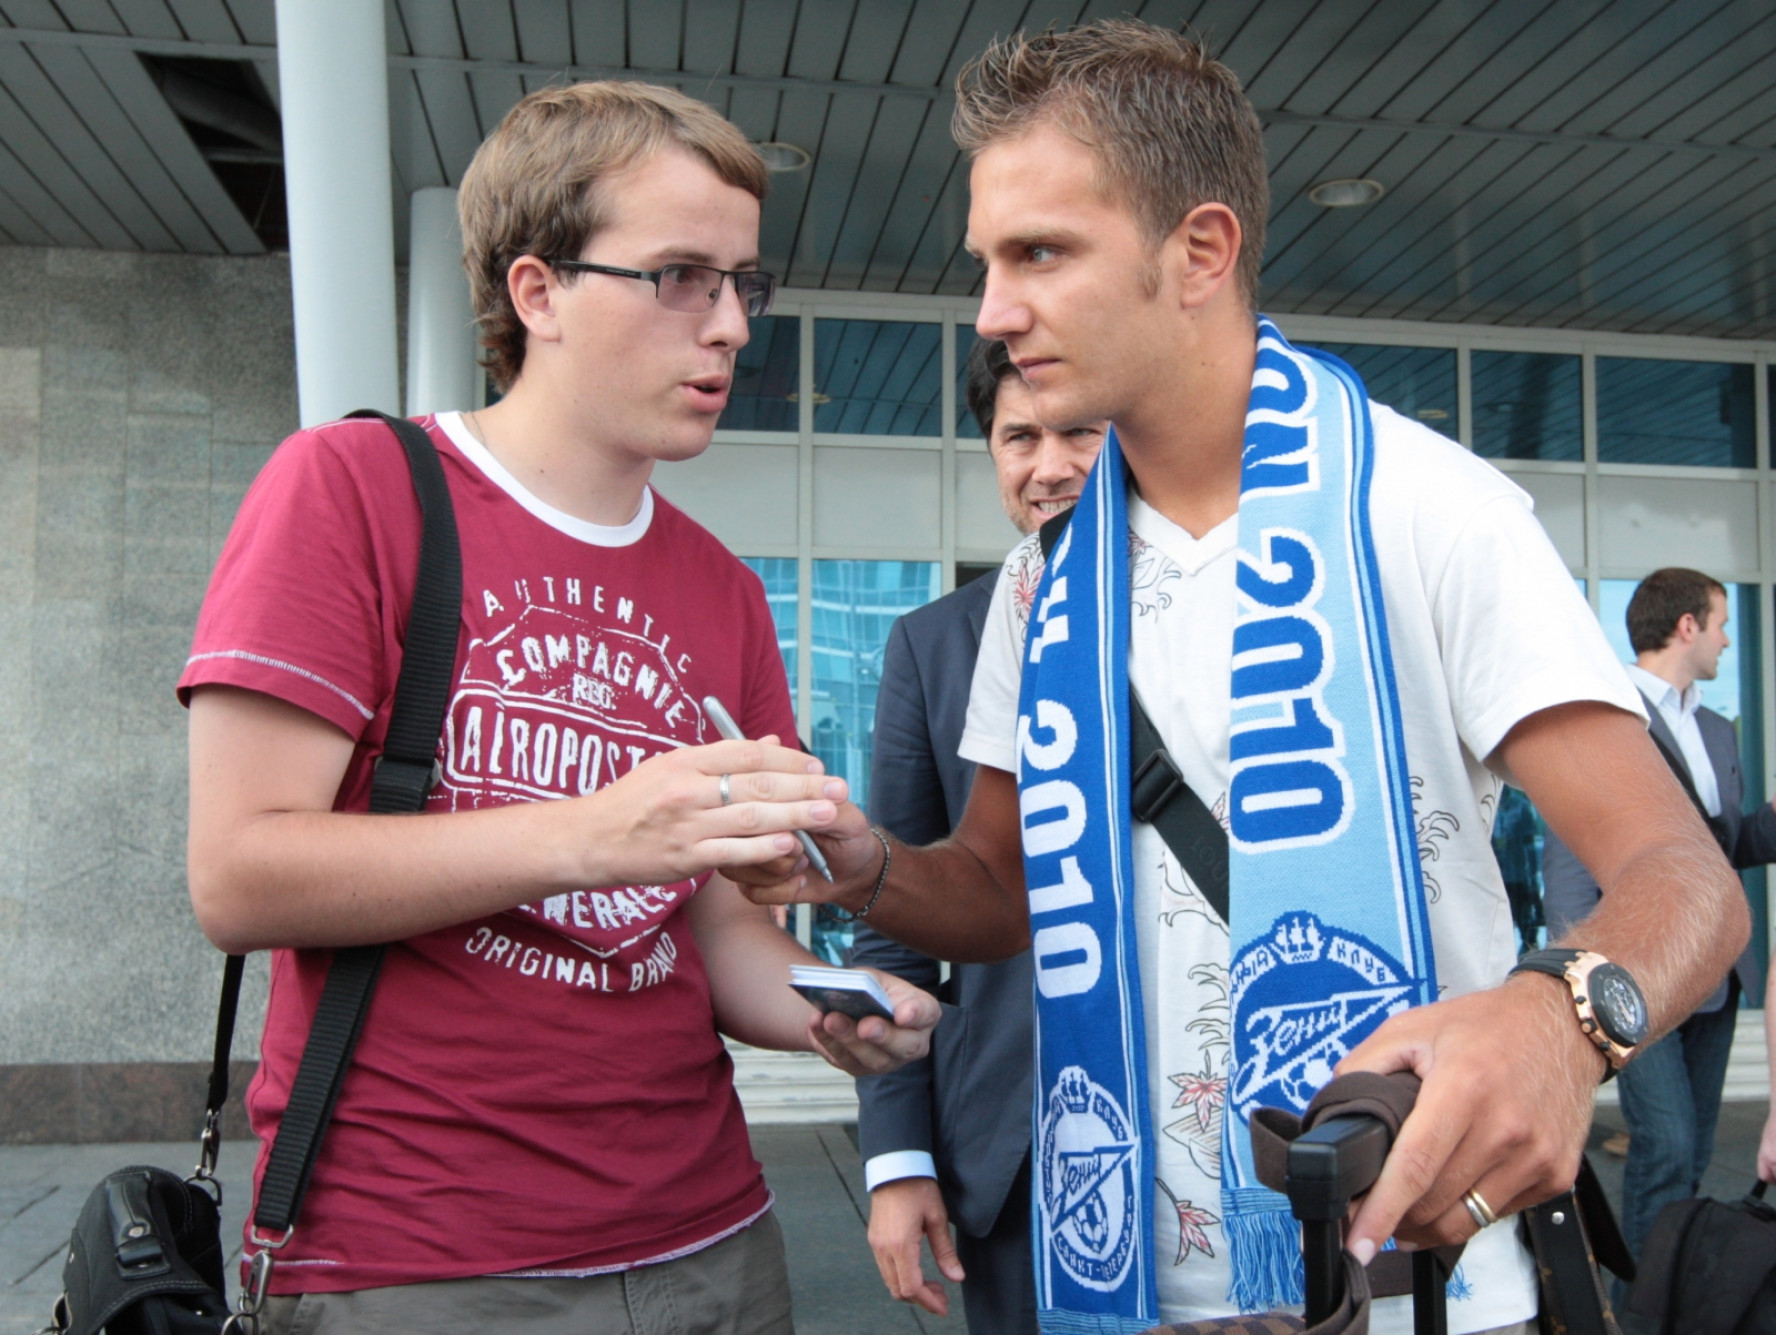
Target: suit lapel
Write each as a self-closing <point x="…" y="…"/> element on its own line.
<point x="1668" y="747"/>
<point x="978" y="605"/>
<point x="1722" y="744"/>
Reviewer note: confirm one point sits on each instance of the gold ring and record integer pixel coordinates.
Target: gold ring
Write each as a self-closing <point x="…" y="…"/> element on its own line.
<point x="1478" y="1210"/>
<point x="726" y="796"/>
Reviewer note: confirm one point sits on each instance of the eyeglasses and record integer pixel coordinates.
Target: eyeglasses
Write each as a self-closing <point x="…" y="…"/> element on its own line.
<point x="692" y="287"/>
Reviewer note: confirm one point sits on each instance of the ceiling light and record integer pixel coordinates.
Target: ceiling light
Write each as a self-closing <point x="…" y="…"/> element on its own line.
<point x="781" y="157"/>
<point x="1347" y="192"/>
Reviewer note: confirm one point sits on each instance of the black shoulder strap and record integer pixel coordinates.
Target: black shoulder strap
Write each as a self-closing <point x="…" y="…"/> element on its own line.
<point x="1159" y="796"/>
<point x="1157" y="792"/>
<point x="403" y="777"/>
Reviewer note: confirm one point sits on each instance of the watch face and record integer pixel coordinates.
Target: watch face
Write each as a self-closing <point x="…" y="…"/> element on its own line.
<point x="1616" y="1000"/>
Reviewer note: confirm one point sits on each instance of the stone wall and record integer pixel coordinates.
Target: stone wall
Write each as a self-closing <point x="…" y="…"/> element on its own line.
<point x="139" y="396"/>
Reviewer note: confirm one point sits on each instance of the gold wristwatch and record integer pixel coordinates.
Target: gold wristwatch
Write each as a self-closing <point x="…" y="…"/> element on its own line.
<point x="1611" y="1008"/>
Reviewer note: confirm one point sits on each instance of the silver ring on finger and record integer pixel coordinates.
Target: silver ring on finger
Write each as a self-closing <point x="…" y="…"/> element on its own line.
<point x="1478" y="1210"/>
<point x="726" y="795"/>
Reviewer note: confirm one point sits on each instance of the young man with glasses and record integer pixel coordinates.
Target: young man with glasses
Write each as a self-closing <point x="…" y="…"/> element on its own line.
<point x="539" y="1129"/>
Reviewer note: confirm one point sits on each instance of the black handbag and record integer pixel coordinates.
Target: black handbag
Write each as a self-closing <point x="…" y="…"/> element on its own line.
<point x="1709" y="1268"/>
<point x="146" y="1255"/>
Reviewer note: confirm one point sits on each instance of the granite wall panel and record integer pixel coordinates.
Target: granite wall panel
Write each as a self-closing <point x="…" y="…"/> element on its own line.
<point x="139" y="396"/>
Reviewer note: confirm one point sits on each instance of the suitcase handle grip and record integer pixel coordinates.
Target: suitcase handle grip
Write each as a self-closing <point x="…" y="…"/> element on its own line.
<point x="1327" y="1166"/>
<point x="1335" y="1161"/>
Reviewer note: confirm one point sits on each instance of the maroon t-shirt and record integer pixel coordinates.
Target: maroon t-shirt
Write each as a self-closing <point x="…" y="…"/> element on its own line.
<point x="543" y="1089"/>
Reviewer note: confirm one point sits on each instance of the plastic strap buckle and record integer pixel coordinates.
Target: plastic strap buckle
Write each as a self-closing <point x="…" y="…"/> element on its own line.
<point x="1156" y="783"/>
<point x="403" y="781"/>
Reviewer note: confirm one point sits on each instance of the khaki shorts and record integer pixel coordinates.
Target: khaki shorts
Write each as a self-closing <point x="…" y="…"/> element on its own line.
<point x="738" y="1286"/>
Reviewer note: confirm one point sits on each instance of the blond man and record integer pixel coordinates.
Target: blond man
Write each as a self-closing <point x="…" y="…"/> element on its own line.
<point x="1345" y="629"/>
<point x="539" y="1129"/>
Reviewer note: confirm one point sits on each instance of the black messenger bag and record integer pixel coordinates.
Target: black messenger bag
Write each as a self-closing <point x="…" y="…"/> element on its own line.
<point x="1709" y="1268"/>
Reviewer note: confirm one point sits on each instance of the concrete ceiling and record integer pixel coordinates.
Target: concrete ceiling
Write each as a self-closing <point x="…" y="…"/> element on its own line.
<point x="1556" y="163"/>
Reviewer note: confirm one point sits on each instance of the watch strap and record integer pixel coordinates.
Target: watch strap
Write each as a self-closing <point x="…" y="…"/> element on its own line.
<point x="1552" y="962"/>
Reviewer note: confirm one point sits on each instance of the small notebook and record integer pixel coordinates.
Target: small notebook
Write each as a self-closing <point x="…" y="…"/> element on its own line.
<point x="849" y="991"/>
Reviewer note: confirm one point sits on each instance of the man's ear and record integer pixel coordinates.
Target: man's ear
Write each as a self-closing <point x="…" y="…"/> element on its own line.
<point x="1203" y="252"/>
<point x="530" y="283"/>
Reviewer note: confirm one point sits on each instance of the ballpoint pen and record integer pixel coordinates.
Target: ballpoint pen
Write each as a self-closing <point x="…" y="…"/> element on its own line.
<point x="725" y="725"/>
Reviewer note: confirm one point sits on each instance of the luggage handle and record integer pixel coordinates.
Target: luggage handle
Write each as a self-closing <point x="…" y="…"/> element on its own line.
<point x="1329" y="1166"/>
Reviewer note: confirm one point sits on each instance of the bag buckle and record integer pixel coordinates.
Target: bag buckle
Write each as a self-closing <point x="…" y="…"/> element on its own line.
<point x="209" y="1145"/>
<point x="244" y="1320"/>
<point x="270" y="1244"/>
<point x="1156" y="782"/>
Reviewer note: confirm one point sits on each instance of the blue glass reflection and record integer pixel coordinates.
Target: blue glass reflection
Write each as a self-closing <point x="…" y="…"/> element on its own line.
<point x="765" y="377"/>
<point x="1527" y="405"/>
<point x="1415" y="382"/>
<point x="966" y="427"/>
<point x="855" y="605"/>
<point x="779" y="576"/>
<point x="1517" y="834"/>
<point x="878" y="377"/>
<point x="1653" y="412"/>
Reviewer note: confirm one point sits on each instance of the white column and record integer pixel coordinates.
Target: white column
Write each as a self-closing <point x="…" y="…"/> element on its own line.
<point x="441" y="370"/>
<point x="333" y="83"/>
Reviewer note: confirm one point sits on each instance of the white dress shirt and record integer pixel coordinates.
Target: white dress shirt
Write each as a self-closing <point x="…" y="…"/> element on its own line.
<point x="1679" y="712"/>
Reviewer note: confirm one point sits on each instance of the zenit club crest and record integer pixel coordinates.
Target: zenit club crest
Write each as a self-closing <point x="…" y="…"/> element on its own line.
<point x="1088" y="1180"/>
<point x="1302" y="998"/>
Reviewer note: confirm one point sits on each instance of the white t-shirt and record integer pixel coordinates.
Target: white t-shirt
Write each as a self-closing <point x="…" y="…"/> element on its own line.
<point x="1486" y="627"/>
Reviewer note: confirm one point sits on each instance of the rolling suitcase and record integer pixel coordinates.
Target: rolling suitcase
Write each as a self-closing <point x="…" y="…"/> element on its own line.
<point x="1350" y="1126"/>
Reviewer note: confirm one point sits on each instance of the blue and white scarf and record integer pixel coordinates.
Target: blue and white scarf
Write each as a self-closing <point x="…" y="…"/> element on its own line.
<point x="1329" y="930"/>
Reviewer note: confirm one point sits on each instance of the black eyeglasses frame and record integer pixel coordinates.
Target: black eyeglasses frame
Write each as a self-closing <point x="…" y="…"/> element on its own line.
<point x="756" y="303"/>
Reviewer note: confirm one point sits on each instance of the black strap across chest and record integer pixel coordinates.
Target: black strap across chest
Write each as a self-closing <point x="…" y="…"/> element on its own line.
<point x="1158" y="794"/>
<point x="403" y="778"/>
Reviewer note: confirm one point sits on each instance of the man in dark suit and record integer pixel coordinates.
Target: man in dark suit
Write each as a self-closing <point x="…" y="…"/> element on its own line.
<point x="948" y="1137"/>
<point x="1671" y="1092"/>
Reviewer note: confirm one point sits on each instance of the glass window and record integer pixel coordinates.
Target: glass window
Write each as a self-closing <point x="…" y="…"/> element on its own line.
<point x="1651" y="412"/>
<point x="1527" y="405"/>
<point x="1415" y="382"/>
<point x="855" y="604"/>
<point x="765" y="376"/>
<point x="779" y="576"/>
<point x="1517" y="834"/>
<point x="878" y="377"/>
<point x="966" y="427"/>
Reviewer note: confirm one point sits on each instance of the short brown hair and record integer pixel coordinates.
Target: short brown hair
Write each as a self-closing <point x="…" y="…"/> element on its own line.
<point x="534" y="187"/>
<point x="1170" y="125"/>
<point x="1663" y="599"/>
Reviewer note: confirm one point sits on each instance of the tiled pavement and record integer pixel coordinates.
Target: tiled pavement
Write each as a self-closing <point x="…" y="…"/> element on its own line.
<point x="813" y="1169"/>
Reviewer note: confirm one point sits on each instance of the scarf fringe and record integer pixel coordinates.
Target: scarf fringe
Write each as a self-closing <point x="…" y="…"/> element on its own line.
<point x="1265" y="1247"/>
<point x="1055" y="1321"/>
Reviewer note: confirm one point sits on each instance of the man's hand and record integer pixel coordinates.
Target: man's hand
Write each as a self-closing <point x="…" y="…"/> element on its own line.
<point x="961" y="899"/>
<point x="665" y="819"/>
<point x="902" y="1212"/>
<point x="1506" y="1118"/>
<point x="1766" y="1158"/>
<point x="272" y="864"/>
<point x="872" y="1046"/>
<point x="852" y="852"/>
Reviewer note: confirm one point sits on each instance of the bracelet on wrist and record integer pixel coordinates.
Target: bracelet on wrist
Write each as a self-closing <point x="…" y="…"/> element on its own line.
<point x="881" y="880"/>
